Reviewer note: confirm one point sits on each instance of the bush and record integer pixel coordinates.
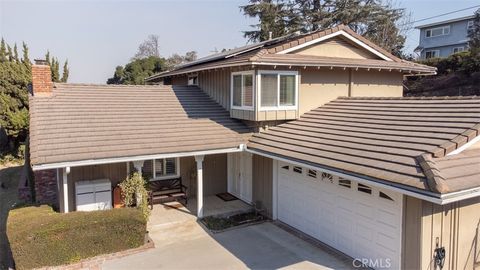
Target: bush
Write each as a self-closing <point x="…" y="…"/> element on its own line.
<point x="462" y="62"/>
<point x="40" y="237"/>
<point x="134" y="193"/>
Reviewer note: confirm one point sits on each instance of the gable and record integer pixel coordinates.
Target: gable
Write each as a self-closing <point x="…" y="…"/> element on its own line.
<point x="336" y="47"/>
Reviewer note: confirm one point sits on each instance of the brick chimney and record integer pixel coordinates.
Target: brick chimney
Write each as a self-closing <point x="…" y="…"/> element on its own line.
<point x="41" y="78"/>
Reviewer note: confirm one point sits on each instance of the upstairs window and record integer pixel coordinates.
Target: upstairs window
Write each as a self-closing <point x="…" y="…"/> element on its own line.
<point x="438" y="31"/>
<point x="278" y="90"/>
<point x="242" y="90"/>
<point x="470" y="26"/>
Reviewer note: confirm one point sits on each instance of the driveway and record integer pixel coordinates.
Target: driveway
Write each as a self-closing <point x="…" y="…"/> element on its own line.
<point x="186" y="245"/>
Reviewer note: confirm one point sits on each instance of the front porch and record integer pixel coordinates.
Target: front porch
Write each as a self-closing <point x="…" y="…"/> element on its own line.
<point x="169" y="213"/>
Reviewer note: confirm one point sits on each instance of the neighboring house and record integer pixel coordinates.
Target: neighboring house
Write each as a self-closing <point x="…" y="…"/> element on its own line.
<point x="444" y="38"/>
<point x="314" y="127"/>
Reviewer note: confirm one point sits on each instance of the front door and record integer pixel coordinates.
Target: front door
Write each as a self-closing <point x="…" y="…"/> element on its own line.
<point x="240" y="175"/>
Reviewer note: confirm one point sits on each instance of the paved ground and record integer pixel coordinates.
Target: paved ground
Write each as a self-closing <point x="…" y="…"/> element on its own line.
<point x="184" y="244"/>
<point x="8" y="197"/>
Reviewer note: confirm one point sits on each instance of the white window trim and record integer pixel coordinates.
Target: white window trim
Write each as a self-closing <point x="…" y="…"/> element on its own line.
<point x="247" y="72"/>
<point x="436" y="51"/>
<point x="278" y="107"/>
<point x="190" y="76"/>
<point x="470" y="25"/>
<point x="459" y="49"/>
<point x="176" y="175"/>
<point x="435" y="28"/>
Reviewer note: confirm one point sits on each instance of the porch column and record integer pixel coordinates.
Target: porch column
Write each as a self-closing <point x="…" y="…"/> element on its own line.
<point x="65" y="173"/>
<point x="138" y="166"/>
<point x="199" y="160"/>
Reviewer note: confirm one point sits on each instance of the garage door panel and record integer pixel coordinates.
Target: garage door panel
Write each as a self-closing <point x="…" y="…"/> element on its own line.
<point x="360" y="224"/>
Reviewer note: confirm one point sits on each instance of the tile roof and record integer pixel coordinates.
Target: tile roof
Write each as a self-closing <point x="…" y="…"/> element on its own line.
<point x="88" y="122"/>
<point x="249" y="54"/>
<point x="383" y="139"/>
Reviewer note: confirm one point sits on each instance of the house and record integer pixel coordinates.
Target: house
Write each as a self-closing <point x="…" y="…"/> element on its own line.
<point x="313" y="126"/>
<point x="444" y="38"/>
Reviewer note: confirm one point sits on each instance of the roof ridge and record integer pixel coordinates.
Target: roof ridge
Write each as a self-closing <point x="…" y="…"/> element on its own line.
<point x="435" y="180"/>
<point x="475" y="97"/>
<point x="57" y="85"/>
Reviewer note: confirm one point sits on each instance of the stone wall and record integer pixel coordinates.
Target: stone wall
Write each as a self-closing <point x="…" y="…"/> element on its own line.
<point x="46" y="190"/>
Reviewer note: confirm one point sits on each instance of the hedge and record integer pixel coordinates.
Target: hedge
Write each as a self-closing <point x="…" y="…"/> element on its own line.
<point x="41" y="237"/>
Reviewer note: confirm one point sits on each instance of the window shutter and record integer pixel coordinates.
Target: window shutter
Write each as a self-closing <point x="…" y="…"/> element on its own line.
<point x="247" y="90"/>
<point x="170" y="166"/>
<point x="287" y="90"/>
<point x="237" y="90"/>
<point x="269" y="90"/>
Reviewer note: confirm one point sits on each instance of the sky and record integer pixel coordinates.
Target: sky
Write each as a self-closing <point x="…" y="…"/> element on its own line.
<point x="97" y="36"/>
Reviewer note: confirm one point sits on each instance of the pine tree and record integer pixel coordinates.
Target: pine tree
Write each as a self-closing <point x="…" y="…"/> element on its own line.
<point x="47" y="58"/>
<point x="55" y="68"/>
<point x="26" y="59"/>
<point x="9" y="53"/>
<point x="66" y="72"/>
<point x="3" y="51"/>
<point x="15" y="53"/>
<point x="474" y="36"/>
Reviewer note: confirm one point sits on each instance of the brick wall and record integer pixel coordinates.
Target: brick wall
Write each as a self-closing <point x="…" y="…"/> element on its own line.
<point x="46" y="190"/>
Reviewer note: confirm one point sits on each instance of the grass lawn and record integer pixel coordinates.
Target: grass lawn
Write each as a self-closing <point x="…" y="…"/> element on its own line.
<point x="41" y="237"/>
<point x="9" y="176"/>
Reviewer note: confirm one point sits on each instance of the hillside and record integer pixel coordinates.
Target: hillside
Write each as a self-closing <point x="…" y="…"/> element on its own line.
<point x="452" y="84"/>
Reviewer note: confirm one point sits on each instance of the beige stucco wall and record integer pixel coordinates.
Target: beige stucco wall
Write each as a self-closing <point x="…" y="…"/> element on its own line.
<point x="455" y="225"/>
<point x="262" y="182"/>
<point x="336" y="47"/>
<point x="376" y="83"/>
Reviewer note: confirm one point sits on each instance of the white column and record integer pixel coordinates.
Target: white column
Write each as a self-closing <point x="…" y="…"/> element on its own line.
<point x="199" y="160"/>
<point x="138" y="166"/>
<point x="65" y="173"/>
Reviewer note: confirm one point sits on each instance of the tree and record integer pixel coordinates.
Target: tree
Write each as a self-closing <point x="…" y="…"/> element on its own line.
<point x="176" y="59"/>
<point x="136" y="71"/>
<point x="474" y="36"/>
<point x="376" y="20"/>
<point x="66" y="72"/>
<point x="149" y="47"/>
<point x="15" y="78"/>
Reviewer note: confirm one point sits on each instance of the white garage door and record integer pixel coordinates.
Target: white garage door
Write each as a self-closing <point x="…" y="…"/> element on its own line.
<point x="359" y="220"/>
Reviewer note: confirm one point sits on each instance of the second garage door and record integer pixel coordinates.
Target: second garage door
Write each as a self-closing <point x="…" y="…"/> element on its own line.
<point x="359" y="220"/>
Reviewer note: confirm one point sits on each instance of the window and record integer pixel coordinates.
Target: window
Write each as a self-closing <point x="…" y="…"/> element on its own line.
<point x="432" y="54"/>
<point x="439" y="31"/>
<point x="242" y="90"/>
<point x="385" y="196"/>
<point x="297" y="169"/>
<point x="327" y="177"/>
<point x="470" y="26"/>
<point x="192" y="80"/>
<point x="312" y="173"/>
<point x="278" y="90"/>
<point x="158" y="169"/>
<point x="364" y="188"/>
<point x="344" y="183"/>
<point x="458" y="49"/>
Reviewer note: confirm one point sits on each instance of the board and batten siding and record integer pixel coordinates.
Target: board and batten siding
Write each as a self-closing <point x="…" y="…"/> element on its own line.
<point x="115" y="172"/>
<point x="455" y="225"/>
<point x="214" y="174"/>
<point x="262" y="182"/>
<point x="317" y="87"/>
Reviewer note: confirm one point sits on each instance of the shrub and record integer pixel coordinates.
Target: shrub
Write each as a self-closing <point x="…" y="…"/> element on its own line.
<point x="40" y="237"/>
<point x="134" y="193"/>
<point x="462" y="62"/>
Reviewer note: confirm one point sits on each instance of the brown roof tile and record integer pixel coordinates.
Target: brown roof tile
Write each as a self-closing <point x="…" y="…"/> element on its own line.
<point x="386" y="139"/>
<point x="83" y="122"/>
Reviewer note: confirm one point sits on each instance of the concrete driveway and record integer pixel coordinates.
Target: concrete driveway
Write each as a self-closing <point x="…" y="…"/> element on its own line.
<point x="185" y="244"/>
